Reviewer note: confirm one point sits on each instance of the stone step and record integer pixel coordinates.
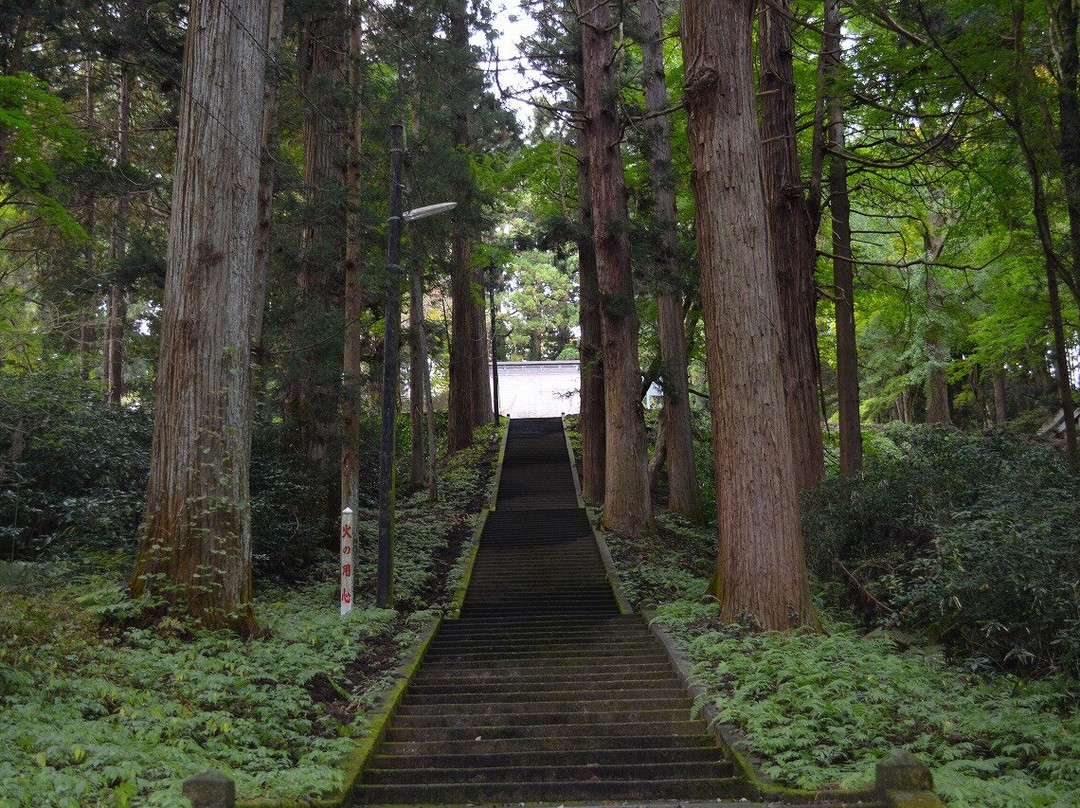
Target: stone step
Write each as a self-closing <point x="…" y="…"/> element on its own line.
<point x="515" y="710"/>
<point x="541" y="691"/>
<point x="474" y="759"/>
<point x="587" y="625"/>
<point x="550" y="774"/>
<point x="548" y="693"/>
<point x="439" y="672"/>
<point x="400" y="732"/>
<point x="409" y="751"/>
<point x="555" y="656"/>
<point x="536" y="715"/>
<point x="531" y="792"/>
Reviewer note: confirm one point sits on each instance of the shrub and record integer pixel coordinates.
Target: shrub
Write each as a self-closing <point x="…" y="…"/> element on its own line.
<point x="75" y="469"/>
<point x="975" y="539"/>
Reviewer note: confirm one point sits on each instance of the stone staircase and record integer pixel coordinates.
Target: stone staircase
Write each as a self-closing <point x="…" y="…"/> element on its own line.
<point x="542" y="691"/>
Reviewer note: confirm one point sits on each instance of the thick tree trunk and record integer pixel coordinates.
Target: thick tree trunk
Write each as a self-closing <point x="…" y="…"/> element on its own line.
<point x="1000" y="414"/>
<point x="761" y="571"/>
<point x="264" y="209"/>
<point x="315" y="386"/>
<point x="847" y="357"/>
<point x="417" y="377"/>
<point x="86" y="328"/>
<point x="469" y="403"/>
<point x="461" y="406"/>
<point x="684" y="495"/>
<point x="592" y="417"/>
<point x="352" y="377"/>
<point x="792" y="234"/>
<point x="1064" y="24"/>
<point x="195" y="541"/>
<point x="937" y="393"/>
<point x="1061" y="368"/>
<point x="1064" y="35"/>
<point x="627" y="508"/>
<point x="118" y="303"/>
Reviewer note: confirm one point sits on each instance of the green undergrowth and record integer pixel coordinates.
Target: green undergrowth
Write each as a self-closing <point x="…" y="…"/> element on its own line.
<point x="100" y="716"/>
<point x="98" y="711"/>
<point x="819" y="710"/>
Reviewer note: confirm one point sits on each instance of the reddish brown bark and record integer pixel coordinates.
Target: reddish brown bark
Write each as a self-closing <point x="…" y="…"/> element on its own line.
<point x="792" y="233"/>
<point x="352" y="377"/>
<point x="847" y="359"/>
<point x="469" y="404"/>
<point x="627" y="508"/>
<point x="684" y="495"/>
<point x="761" y="572"/>
<point x="118" y="301"/>
<point x="591" y="419"/>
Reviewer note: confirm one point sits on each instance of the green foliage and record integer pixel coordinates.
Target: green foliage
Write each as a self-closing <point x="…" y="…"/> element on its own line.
<point x="821" y="709"/>
<point x="105" y="712"/>
<point x="37" y="134"/>
<point x="97" y="717"/>
<point x="79" y="480"/>
<point x="974" y="539"/>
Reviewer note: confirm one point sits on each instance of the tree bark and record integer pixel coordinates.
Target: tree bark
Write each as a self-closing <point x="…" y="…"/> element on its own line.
<point x="417" y="376"/>
<point x="352" y="378"/>
<point x="315" y="387"/>
<point x="264" y="208"/>
<point x="1061" y="368"/>
<point x="760" y="575"/>
<point x="847" y="357"/>
<point x="194" y="549"/>
<point x="627" y="507"/>
<point x="118" y="303"/>
<point x="1064" y="24"/>
<point x="469" y="403"/>
<point x="684" y="495"/>
<point x="792" y="233"/>
<point x="1000" y="414"/>
<point x="937" y="395"/>
<point x="592" y="417"/>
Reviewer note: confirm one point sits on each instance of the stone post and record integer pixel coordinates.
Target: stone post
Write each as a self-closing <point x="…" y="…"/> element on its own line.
<point x="210" y="789"/>
<point x="905" y="781"/>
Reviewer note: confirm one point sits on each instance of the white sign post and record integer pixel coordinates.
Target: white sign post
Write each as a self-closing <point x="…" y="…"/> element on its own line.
<point x="348" y="531"/>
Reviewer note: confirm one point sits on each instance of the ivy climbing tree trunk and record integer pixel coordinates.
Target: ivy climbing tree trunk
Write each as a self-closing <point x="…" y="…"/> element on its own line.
<point x="792" y="231"/>
<point x="760" y="574"/>
<point x="627" y="507"/>
<point x="684" y="496"/>
<point x="194" y="550"/>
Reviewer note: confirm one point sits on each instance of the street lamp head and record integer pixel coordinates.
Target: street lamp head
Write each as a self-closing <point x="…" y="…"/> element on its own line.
<point x="427" y="210"/>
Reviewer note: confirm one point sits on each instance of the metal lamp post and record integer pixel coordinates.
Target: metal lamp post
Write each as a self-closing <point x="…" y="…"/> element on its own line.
<point x="391" y="335"/>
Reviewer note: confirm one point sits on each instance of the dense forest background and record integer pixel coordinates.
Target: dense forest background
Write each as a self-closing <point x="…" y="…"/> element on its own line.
<point x="919" y="210"/>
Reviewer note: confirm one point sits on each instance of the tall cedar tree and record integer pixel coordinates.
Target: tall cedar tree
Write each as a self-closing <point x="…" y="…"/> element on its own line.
<point x="627" y="509"/>
<point x="194" y="548"/>
<point x="592" y="418"/>
<point x="352" y="367"/>
<point x="470" y="389"/>
<point x="791" y="226"/>
<point x="847" y="360"/>
<point x="314" y="387"/>
<point x="760" y="573"/>
<point x="684" y="495"/>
